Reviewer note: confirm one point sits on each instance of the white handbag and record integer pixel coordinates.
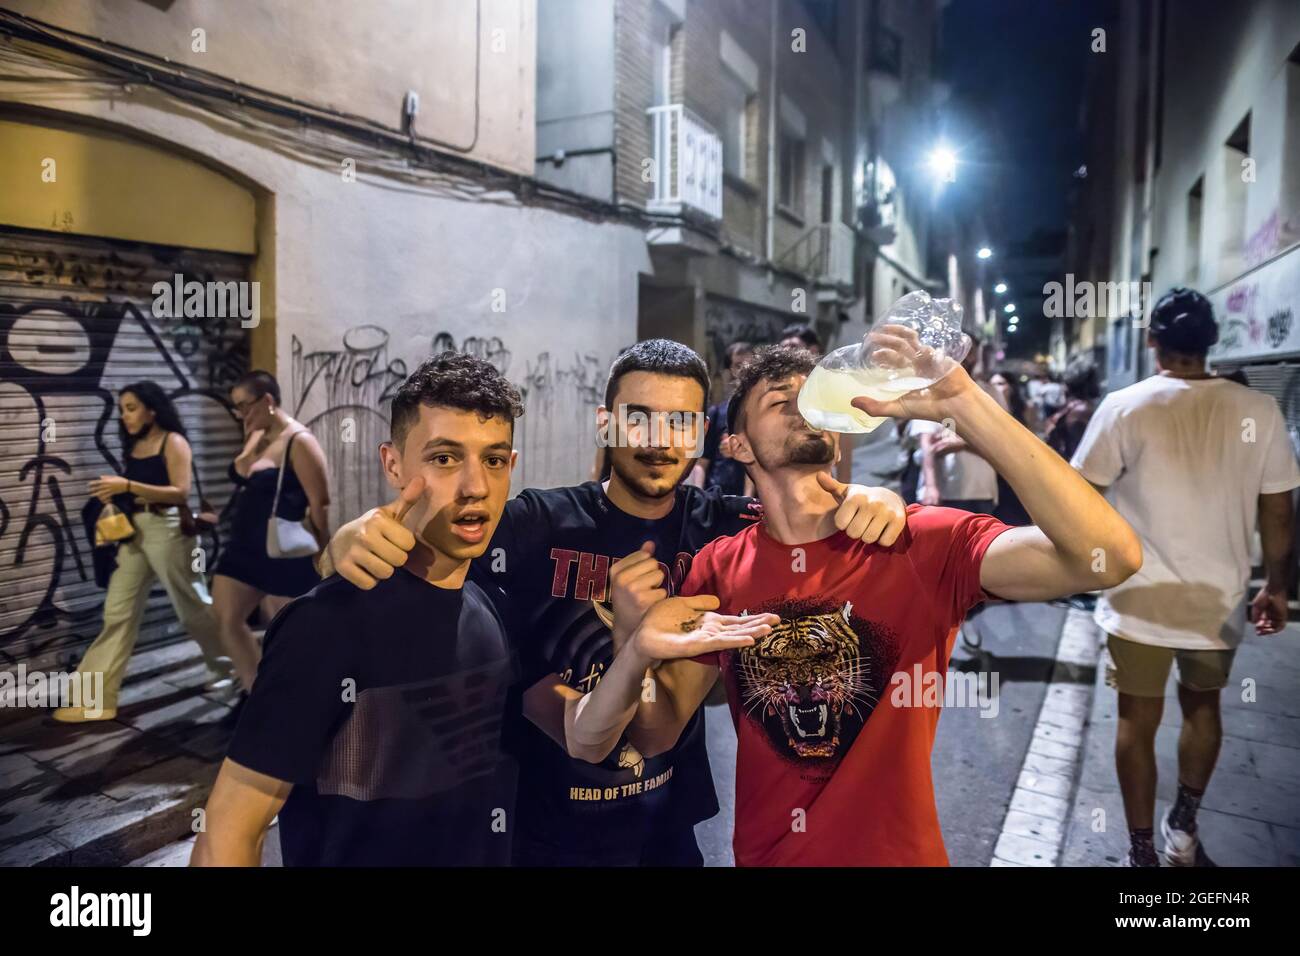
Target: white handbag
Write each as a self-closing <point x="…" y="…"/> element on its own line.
<point x="286" y="538"/>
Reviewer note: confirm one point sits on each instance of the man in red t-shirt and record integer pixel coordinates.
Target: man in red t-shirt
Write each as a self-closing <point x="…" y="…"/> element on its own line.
<point x="836" y="706"/>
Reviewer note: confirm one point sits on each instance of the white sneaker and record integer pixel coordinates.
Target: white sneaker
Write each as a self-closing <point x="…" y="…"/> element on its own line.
<point x="221" y="675"/>
<point x="1181" y="848"/>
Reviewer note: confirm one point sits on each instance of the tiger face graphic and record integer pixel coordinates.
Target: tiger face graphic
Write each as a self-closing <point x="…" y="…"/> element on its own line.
<point x="814" y="680"/>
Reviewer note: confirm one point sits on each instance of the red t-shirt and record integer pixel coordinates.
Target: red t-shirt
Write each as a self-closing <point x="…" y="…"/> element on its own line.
<point x="836" y="709"/>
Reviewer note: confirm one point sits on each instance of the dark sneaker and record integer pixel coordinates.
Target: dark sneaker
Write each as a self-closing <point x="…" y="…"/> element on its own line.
<point x="1130" y="860"/>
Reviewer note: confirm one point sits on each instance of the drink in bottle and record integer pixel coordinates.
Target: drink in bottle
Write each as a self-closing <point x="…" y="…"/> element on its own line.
<point x="867" y="369"/>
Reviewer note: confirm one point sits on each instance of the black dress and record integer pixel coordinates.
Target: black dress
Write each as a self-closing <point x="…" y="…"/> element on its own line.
<point x="244" y="557"/>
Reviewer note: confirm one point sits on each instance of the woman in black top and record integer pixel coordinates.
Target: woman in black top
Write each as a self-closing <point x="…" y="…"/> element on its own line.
<point x="155" y="480"/>
<point x="245" y="572"/>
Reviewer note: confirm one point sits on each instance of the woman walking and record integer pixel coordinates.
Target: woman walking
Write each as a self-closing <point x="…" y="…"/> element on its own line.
<point x="154" y="484"/>
<point x="281" y="479"/>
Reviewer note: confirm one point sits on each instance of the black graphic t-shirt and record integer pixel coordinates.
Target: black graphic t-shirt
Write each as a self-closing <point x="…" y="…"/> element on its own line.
<point x="385" y="709"/>
<point x="552" y="554"/>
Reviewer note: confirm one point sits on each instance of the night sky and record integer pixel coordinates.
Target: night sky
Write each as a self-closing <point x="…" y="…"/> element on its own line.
<point x="1017" y="73"/>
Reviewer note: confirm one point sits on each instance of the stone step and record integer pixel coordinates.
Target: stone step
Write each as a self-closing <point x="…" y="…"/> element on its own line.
<point x="156" y="662"/>
<point x="108" y="793"/>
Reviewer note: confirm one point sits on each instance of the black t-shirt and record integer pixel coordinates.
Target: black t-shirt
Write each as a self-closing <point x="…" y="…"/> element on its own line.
<point x="725" y="474"/>
<point x="551" y="554"/>
<point x="385" y="709"/>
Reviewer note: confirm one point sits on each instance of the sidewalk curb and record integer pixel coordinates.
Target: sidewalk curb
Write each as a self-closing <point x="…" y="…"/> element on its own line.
<point x="1035" y="826"/>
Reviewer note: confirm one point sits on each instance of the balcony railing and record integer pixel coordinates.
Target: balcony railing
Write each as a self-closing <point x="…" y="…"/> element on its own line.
<point x="687" y="163"/>
<point x="824" y="253"/>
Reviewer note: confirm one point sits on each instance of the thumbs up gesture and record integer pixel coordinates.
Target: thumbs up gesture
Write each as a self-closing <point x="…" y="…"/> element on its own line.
<point x="870" y="515"/>
<point x="369" y="549"/>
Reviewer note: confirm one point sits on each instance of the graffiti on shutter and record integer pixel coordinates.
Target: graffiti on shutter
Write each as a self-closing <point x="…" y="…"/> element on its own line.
<point x="77" y="324"/>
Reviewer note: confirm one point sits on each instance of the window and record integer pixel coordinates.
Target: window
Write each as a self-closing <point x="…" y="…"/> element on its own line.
<point x="1289" y="194"/>
<point x="738" y="101"/>
<point x="828" y="193"/>
<point x="790" y="193"/>
<point x="884" y="47"/>
<point x="1195" y="197"/>
<point x="662" y="55"/>
<point x="1233" y="246"/>
<point x="826" y="13"/>
<point x="739" y="108"/>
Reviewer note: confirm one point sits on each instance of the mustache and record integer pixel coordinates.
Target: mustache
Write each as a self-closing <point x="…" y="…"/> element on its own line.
<point x="650" y="458"/>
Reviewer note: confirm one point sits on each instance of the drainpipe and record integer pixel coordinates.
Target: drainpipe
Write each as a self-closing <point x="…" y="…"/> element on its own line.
<point x="774" y="105"/>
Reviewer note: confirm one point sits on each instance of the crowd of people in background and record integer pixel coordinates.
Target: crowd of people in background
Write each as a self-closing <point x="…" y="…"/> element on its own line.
<point x="936" y="466"/>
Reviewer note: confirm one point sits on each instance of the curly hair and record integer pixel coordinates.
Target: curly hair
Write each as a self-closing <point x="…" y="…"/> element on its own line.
<point x="452" y="380"/>
<point x="152" y="397"/>
<point x="773" y="363"/>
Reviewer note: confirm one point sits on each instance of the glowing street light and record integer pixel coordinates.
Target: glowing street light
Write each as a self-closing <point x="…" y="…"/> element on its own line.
<point x="943" y="164"/>
<point x="1000" y="288"/>
<point x="984" y="252"/>
<point x="1009" y="308"/>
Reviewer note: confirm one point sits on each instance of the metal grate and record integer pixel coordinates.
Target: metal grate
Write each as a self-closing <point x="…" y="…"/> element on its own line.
<point x="77" y="324"/>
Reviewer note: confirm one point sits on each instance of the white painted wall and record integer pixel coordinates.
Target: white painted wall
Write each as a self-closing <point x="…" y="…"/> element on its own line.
<point x="1240" y="67"/>
<point x="358" y="58"/>
<point x="347" y="256"/>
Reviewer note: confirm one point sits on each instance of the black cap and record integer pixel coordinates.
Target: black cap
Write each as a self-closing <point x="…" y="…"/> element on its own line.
<point x="1183" y="321"/>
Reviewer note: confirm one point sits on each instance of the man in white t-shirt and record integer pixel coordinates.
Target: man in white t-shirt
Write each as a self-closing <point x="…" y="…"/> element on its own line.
<point x="951" y="473"/>
<point x="1191" y="461"/>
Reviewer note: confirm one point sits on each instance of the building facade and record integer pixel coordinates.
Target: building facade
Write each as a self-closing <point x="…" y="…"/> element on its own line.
<point x="1199" y="109"/>
<point x="369" y="169"/>
<point x="772" y="147"/>
<point x="537" y="184"/>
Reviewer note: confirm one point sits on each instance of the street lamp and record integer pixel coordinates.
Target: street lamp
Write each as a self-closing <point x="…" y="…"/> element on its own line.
<point x="984" y="252"/>
<point x="1000" y="288"/>
<point x="943" y="164"/>
<point x="1009" y="308"/>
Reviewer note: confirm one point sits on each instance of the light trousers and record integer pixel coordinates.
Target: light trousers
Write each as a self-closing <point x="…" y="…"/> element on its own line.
<point x="157" y="551"/>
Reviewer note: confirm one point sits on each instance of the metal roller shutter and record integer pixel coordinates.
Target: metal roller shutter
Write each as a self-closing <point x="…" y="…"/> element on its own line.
<point x="76" y="325"/>
<point x="1281" y="381"/>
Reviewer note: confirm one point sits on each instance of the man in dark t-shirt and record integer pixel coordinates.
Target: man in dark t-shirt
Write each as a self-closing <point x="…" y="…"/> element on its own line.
<point x="405" y="770"/>
<point x="374" y="727"/>
<point x="559" y="546"/>
<point x="556" y="553"/>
